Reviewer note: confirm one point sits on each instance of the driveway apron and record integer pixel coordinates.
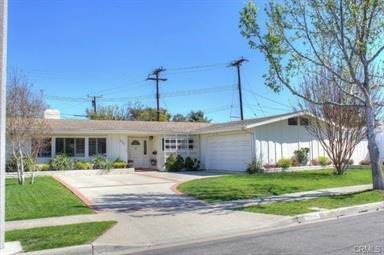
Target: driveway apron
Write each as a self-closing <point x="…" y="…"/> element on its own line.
<point x="150" y="213"/>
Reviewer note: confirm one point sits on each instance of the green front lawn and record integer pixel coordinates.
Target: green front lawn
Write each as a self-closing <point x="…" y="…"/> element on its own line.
<point x="34" y="239"/>
<point x="304" y="206"/>
<point x="243" y="186"/>
<point x="45" y="198"/>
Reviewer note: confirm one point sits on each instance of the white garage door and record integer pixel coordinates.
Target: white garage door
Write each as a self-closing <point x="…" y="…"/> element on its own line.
<point x="229" y="152"/>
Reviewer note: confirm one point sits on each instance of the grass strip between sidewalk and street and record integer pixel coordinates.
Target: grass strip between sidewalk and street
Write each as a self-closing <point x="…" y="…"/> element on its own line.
<point x="292" y="208"/>
<point x="245" y="186"/>
<point x="45" y="198"/>
<point x="42" y="238"/>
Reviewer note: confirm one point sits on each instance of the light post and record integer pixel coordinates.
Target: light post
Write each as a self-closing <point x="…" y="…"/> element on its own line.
<point x="3" y="71"/>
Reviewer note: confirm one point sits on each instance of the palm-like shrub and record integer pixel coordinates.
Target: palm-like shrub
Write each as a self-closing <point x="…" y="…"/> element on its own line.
<point x="255" y="166"/>
<point x="61" y="162"/>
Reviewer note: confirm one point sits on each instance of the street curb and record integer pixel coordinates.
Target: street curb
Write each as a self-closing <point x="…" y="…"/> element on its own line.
<point x="85" y="249"/>
<point x="339" y="212"/>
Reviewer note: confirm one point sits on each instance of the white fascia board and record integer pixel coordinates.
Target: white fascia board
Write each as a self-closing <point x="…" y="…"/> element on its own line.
<point x="109" y="132"/>
<point x="297" y="114"/>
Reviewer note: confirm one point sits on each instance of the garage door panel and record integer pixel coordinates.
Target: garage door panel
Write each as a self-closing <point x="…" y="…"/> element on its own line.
<point x="231" y="152"/>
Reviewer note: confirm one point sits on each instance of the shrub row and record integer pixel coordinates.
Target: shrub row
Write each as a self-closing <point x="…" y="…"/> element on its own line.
<point x="177" y="163"/>
<point x="63" y="162"/>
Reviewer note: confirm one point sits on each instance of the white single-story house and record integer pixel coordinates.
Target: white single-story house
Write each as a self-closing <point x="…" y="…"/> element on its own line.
<point x="224" y="146"/>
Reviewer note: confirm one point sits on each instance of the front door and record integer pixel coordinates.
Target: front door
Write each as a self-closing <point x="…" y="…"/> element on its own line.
<point x="138" y="152"/>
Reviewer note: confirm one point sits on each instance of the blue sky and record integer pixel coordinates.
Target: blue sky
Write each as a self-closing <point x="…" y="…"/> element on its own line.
<point x="73" y="48"/>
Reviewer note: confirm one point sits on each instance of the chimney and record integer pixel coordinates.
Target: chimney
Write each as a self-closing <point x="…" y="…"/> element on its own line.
<point x="52" y="114"/>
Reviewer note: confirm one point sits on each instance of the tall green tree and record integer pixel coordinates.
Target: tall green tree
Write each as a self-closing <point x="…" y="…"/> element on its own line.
<point x="343" y="37"/>
<point x="179" y="117"/>
<point x="129" y="112"/>
<point x="197" y="116"/>
<point x="109" y="112"/>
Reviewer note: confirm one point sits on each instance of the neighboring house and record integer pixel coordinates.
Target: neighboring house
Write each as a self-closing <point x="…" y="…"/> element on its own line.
<point x="225" y="146"/>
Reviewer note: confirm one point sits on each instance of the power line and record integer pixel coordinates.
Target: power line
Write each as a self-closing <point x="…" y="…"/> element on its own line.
<point x="197" y="67"/>
<point x="257" y="101"/>
<point x="264" y="97"/>
<point x="179" y="93"/>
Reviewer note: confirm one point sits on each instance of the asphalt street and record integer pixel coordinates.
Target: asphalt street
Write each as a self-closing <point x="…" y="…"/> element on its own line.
<point x="363" y="234"/>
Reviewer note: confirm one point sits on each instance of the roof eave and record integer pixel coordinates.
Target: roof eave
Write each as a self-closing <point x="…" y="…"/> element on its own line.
<point x="296" y="114"/>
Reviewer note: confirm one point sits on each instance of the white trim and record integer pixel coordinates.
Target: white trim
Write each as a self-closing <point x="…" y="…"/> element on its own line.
<point x="297" y="114"/>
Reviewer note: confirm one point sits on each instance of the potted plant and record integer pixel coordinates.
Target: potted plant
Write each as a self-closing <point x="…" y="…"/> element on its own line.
<point x="130" y="163"/>
<point x="153" y="162"/>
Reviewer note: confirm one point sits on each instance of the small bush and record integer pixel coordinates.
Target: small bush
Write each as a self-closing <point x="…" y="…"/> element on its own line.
<point x="119" y="165"/>
<point x="174" y="163"/>
<point x="119" y="161"/>
<point x="101" y="162"/>
<point x="170" y="162"/>
<point x="192" y="164"/>
<point x="61" y="162"/>
<point x="30" y="164"/>
<point x="43" y="167"/>
<point x="255" y="166"/>
<point x="179" y="162"/>
<point x="324" y="161"/>
<point x="284" y="163"/>
<point x="83" y="165"/>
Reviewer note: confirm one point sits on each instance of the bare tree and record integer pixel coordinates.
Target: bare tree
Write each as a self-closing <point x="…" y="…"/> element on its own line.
<point x="339" y="129"/>
<point x="26" y="129"/>
<point x="341" y="36"/>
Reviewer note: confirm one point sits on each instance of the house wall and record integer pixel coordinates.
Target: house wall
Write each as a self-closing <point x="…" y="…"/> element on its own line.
<point x="277" y="140"/>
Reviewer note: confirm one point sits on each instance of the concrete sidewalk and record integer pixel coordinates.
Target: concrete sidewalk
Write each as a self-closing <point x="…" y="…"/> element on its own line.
<point x="55" y="221"/>
<point x="293" y="196"/>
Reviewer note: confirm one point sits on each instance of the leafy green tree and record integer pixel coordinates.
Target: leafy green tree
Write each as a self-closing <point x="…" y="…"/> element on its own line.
<point x="197" y="116"/>
<point x="109" y="112"/>
<point x="302" y="38"/>
<point x="134" y="112"/>
<point x="179" y="117"/>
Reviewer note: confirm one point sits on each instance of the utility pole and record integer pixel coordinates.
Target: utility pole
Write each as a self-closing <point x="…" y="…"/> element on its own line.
<point x="3" y="75"/>
<point x="237" y="63"/>
<point x="93" y="100"/>
<point x="155" y="76"/>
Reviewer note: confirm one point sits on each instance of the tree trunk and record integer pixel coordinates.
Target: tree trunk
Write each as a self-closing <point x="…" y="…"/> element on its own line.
<point x="21" y="168"/>
<point x="377" y="173"/>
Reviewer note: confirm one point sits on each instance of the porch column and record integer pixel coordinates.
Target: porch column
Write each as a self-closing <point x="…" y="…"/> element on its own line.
<point x="86" y="147"/>
<point x="53" y="147"/>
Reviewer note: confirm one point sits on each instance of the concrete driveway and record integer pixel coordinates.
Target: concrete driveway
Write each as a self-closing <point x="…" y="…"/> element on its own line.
<point x="150" y="191"/>
<point x="150" y="213"/>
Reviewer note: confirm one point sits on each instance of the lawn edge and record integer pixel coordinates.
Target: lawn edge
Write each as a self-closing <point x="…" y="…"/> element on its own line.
<point x="73" y="248"/>
<point x="86" y="201"/>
